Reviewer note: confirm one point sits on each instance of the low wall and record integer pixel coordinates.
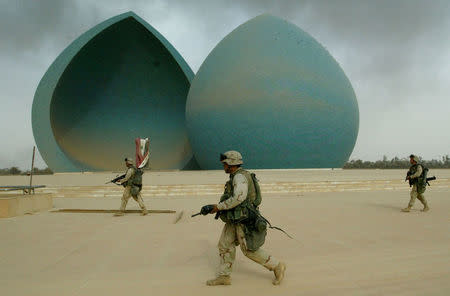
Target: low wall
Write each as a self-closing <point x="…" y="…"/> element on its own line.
<point x="18" y="205"/>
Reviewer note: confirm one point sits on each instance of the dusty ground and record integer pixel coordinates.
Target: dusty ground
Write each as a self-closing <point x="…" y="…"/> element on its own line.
<point x="347" y="241"/>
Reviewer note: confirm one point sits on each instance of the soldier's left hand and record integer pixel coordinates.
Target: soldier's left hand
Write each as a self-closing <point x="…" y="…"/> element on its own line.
<point x="215" y="209"/>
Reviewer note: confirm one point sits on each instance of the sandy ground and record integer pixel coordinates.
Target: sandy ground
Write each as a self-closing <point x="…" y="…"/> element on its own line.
<point x="346" y="242"/>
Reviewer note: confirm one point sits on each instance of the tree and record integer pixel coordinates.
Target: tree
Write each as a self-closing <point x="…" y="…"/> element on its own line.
<point x="14" y="171"/>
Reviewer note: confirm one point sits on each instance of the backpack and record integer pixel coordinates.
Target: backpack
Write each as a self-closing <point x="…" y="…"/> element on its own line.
<point x="137" y="179"/>
<point x="258" y="197"/>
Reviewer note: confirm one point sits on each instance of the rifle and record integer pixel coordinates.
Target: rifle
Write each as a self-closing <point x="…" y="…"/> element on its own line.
<point x="426" y="181"/>
<point x="117" y="178"/>
<point x="205" y="210"/>
<point x="430" y="179"/>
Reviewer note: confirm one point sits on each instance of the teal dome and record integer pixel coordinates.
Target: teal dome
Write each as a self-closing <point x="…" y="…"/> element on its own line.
<point x="272" y="92"/>
<point x="118" y="81"/>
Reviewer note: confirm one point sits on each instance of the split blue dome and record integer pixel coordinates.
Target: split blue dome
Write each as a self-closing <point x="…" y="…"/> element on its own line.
<point x="268" y="90"/>
<point x="118" y="81"/>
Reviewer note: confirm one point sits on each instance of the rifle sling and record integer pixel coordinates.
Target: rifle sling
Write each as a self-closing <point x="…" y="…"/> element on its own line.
<point x="267" y="221"/>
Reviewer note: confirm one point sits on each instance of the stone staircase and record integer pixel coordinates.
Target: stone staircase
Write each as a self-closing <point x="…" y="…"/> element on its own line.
<point x="216" y="189"/>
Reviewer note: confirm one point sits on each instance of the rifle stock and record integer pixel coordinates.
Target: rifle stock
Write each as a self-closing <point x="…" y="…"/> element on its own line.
<point x="430" y="179"/>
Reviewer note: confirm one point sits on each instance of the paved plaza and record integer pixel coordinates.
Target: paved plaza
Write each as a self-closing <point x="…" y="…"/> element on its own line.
<point x="350" y="237"/>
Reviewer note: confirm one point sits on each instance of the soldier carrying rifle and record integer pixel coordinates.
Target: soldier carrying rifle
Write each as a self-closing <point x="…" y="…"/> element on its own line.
<point x="132" y="181"/>
<point x="417" y="177"/>
<point x="244" y="226"/>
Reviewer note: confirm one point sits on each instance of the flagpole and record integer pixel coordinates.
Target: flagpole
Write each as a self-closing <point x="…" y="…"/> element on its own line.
<point x="32" y="169"/>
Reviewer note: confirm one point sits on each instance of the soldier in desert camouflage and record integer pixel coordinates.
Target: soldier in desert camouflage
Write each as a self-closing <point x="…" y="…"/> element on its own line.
<point x="133" y="186"/>
<point x="417" y="177"/>
<point x="239" y="199"/>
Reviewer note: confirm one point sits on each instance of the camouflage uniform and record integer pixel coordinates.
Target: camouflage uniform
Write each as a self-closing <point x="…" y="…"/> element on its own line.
<point x="233" y="233"/>
<point x="417" y="191"/>
<point x="127" y="191"/>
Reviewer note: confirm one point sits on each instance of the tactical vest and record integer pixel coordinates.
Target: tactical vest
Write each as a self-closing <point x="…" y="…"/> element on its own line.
<point x="136" y="178"/>
<point x="135" y="181"/>
<point x="241" y="211"/>
<point x="246" y="213"/>
<point x="421" y="181"/>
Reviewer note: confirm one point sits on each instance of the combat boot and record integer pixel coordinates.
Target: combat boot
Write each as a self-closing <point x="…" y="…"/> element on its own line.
<point x="144" y="212"/>
<point x="220" y="280"/>
<point x="118" y="214"/>
<point x="425" y="209"/>
<point x="279" y="273"/>
<point x="407" y="209"/>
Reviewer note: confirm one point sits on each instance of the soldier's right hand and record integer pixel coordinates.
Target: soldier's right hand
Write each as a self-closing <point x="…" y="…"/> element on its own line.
<point x="207" y="209"/>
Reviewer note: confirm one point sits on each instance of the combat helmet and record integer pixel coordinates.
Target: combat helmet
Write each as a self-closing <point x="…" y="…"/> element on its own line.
<point x="414" y="157"/>
<point x="231" y="158"/>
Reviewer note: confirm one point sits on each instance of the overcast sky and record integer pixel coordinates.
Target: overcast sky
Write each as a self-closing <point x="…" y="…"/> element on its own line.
<point x="395" y="53"/>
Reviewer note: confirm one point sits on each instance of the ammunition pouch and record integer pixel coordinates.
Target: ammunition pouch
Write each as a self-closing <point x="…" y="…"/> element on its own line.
<point x="421" y="181"/>
<point x="235" y="215"/>
<point x="421" y="189"/>
<point x="255" y="230"/>
<point x="246" y="214"/>
<point x="135" y="189"/>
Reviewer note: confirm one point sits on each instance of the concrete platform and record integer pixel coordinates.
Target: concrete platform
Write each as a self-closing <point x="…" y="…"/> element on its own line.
<point x="14" y="204"/>
<point x="346" y="243"/>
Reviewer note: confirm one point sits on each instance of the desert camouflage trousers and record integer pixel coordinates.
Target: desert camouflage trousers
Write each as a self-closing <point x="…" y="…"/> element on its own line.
<point x="233" y="235"/>
<point x="126" y="196"/>
<point x="414" y="194"/>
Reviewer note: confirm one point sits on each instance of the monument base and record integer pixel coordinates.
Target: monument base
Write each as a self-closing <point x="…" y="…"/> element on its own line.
<point x="18" y="205"/>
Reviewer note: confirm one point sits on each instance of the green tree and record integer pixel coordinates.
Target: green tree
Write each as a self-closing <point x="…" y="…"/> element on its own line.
<point x="14" y="171"/>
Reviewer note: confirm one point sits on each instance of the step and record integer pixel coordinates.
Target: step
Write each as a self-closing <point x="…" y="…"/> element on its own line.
<point x="217" y="189"/>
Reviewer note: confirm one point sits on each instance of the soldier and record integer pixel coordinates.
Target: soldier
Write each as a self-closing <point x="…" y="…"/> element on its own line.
<point x="417" y="178"/>
<point x="239" y="197"/>
<point x="133" y="186"/>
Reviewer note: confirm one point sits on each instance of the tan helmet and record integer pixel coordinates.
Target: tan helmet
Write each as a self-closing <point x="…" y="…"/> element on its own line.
<point x="231" y="158"/>
<point x="129" y="160"/>
<point x="414" y="157"/>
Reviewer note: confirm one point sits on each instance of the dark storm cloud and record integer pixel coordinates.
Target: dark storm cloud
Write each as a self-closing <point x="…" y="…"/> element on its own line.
<point x="29" y="25"/>
<point x="392" y="31"/>
<point x="26" y="24"/>
<point x="391" y="39"/>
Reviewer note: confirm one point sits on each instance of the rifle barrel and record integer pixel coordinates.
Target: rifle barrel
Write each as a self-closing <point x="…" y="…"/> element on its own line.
<point x="196" y="214"/>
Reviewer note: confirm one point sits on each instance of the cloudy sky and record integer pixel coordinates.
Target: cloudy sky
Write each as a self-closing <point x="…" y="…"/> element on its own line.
<point x="395" y="53"/>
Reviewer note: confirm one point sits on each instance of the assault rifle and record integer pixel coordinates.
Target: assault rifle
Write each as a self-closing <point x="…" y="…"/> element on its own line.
<point x="411" y="180"/>
<point x="117" y="178"/>
<point x="205" y="210"/>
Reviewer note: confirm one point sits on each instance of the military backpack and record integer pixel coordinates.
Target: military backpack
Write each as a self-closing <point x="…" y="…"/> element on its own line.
<point x="421" y="181"/>
<point x="136" y="181"/>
